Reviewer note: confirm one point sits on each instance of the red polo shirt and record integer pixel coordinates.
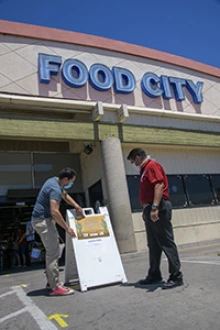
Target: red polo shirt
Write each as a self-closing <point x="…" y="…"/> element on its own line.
<point x="151" y="173"/>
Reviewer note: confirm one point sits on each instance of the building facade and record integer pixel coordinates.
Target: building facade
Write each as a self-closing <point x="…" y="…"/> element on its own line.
<point x="69" y="99"/>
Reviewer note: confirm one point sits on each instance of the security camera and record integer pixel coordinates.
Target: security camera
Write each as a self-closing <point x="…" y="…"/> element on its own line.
<point x="88" y="148"/>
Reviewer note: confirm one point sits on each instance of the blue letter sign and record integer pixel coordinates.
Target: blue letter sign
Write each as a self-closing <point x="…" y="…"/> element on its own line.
<point x="125" y="81"/>
<point x="75" y="74"/>
<point x="48" y="65"/>
<point x="149" y="84"/>
<point x="100" y="77"/>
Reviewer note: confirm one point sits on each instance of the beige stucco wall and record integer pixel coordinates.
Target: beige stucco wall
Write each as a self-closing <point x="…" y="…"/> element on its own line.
<point x="92" y="170"/>
<point x="191" y="226"/>
<point x="18" y="74"/>
<point x="179" y="160"/>
<point x="91" y="166"/>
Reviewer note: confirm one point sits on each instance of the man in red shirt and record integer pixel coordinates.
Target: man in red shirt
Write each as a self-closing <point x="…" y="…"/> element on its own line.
<point x="157" y="214"/>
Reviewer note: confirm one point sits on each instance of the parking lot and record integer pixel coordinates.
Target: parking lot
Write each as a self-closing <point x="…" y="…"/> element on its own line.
<point x="25" y="303"/>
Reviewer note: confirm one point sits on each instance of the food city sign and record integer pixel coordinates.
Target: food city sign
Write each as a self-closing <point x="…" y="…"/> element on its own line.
<point x="75" y="74"/>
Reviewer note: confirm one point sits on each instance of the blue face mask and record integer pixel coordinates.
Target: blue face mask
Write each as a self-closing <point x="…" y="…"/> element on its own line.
<point x="69" y="185"/>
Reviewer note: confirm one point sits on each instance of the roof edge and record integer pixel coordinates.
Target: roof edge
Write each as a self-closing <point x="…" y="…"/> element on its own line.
<point x="63" y="36"/>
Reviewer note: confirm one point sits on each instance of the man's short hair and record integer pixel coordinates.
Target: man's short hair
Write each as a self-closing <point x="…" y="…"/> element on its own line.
<point x="136" y="152"/>
<point x="68" y="173"/>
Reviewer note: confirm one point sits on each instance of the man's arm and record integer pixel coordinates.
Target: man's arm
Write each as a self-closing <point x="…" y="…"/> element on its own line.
<point x="158" y="193"/>
<point x="69" y="200"/>
<point x="57" y="216"/>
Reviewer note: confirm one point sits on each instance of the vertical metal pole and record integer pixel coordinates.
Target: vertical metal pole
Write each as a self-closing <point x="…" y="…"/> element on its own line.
<point x="32" y="170"/>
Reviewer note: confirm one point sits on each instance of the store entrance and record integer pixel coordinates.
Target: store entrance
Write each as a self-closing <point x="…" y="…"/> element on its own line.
<point x="96" y="195"/>
<point x="21" y="176"/>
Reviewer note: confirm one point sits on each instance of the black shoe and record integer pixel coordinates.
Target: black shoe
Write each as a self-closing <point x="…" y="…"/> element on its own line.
<point x="150" y="280"/>
<point x="173" y="282"/>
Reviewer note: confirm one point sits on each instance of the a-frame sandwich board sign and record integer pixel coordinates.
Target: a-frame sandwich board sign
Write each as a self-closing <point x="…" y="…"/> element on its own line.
<point x="93" y="256"/>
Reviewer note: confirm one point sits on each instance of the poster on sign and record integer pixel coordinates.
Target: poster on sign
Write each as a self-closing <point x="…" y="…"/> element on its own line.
<point x="92" y="227"/>
<point x="93" y="255"/>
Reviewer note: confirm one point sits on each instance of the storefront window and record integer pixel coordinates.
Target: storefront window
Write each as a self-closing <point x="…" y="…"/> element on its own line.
<point x="133" y="188"/>
<point x="215" y="181"/>
<point x="49" y="165"/>
<point x="15" y="173"/>
<point x="199" y="190"/>
<point x="176" y="191"/>
<point x="96" y="195"/>
<point x="185" y="190"/>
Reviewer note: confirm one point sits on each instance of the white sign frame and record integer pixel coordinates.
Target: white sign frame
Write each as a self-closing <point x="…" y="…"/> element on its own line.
<point x="95" y="261"/>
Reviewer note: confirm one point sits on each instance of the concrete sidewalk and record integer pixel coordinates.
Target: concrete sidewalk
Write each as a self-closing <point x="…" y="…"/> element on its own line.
<point x="126" y="307"/>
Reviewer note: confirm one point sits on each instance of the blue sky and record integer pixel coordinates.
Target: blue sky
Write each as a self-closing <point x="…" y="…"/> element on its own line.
<point x="189" y="28"/>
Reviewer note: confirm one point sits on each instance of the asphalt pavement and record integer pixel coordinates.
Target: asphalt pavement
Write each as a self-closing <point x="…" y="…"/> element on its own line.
<point x="25" y="304"/>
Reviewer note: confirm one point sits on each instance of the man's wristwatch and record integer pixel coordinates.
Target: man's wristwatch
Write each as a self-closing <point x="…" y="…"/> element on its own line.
<point x="154" y="207"/>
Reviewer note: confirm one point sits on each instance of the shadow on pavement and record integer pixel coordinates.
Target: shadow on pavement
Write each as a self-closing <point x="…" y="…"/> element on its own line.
<point x="148" y="288"/>
<point x="38" y="293"/>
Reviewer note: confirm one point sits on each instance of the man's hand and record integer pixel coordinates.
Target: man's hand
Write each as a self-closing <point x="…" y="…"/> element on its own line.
<point x="79" y="213"/>
<point x="71" y="232"/>
<point x="154" y="215"/>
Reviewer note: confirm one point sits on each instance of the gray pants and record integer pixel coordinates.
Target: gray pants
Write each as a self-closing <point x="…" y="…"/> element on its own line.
<point x="46" y="228"/>
<point x="160" y="238"/>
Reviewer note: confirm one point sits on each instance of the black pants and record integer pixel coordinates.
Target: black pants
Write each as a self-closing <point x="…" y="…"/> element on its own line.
<point x="160" y="238"/>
